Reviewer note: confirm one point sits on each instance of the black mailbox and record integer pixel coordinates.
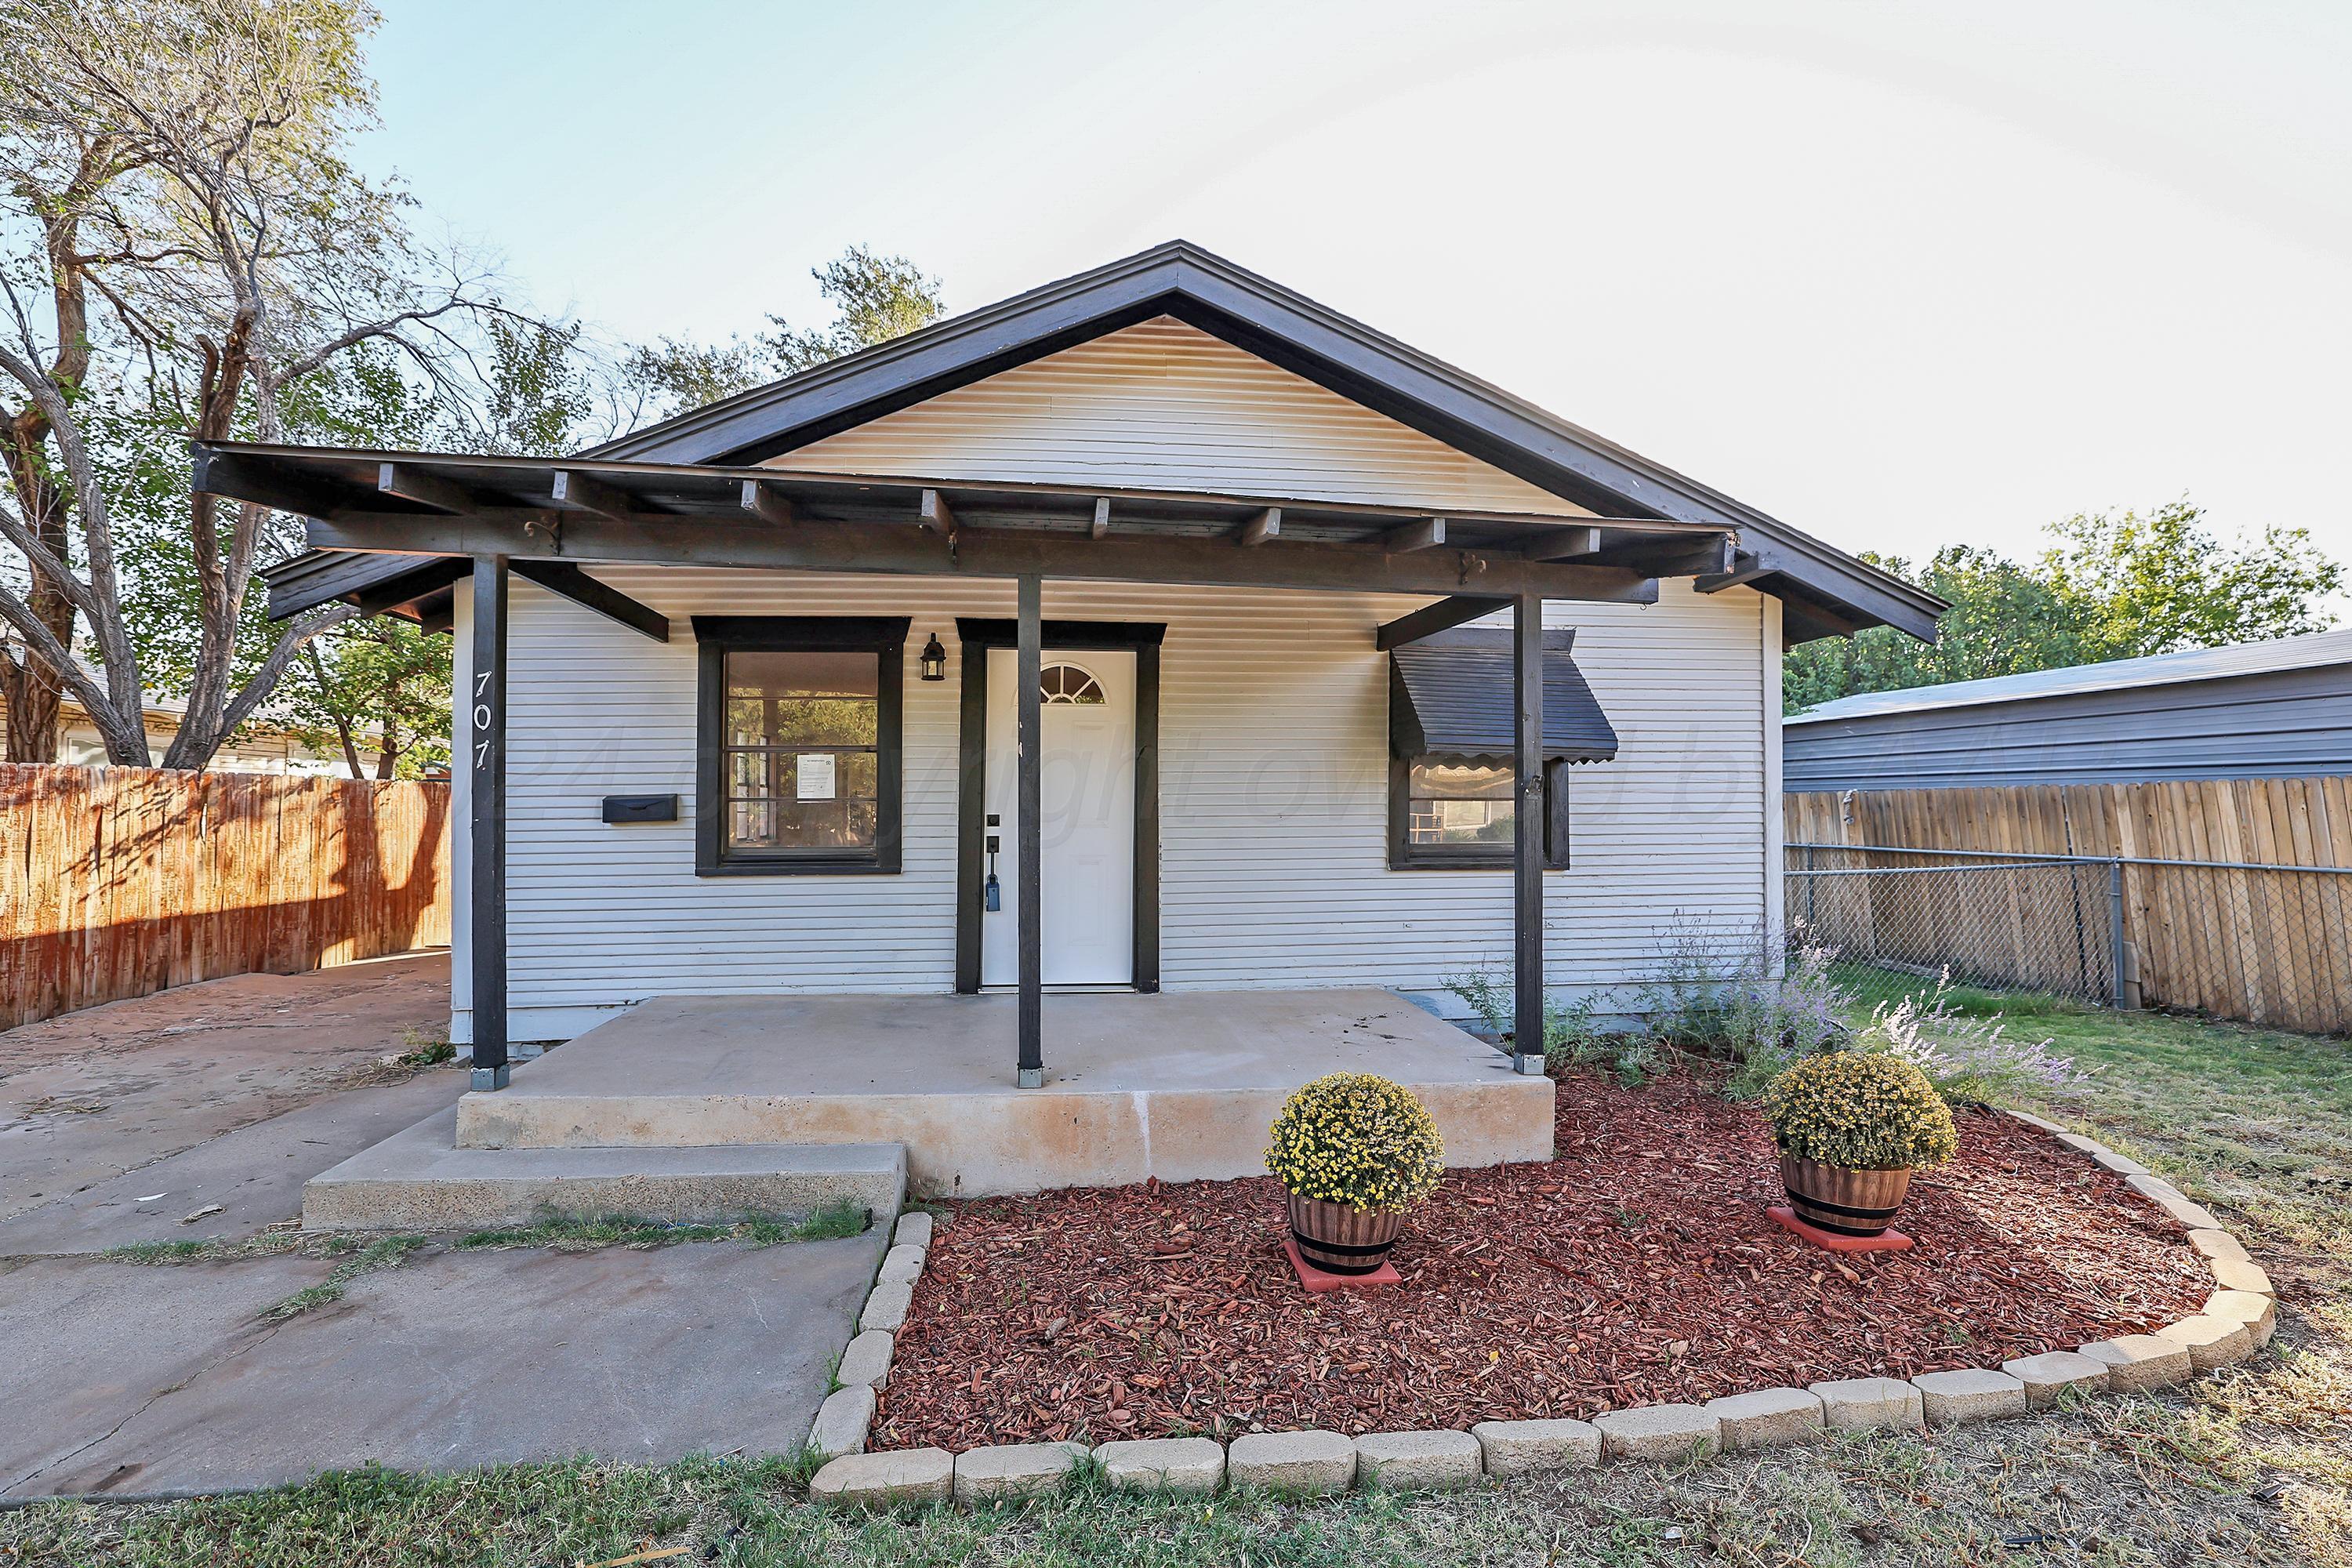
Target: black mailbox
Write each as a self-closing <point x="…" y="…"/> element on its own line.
<point x="641" y="808"/>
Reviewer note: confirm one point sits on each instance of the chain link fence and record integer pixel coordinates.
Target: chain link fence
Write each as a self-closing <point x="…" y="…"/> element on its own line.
<point x="2262" y="943"/>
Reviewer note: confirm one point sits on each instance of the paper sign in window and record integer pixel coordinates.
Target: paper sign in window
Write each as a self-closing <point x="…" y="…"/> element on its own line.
<point x="815" y="775"/>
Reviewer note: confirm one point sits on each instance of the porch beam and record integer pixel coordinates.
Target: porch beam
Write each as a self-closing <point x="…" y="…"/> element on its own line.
<point x="1564" y="544"/>
<point x="1745" y="569"/>
<point x="410" y="483"/>
<point x="485" y="747"/>
<point x="1431" y="619"/>
<point x="936" y="514"/>
<point x="1709" y="558"/>
<point x="578" y="492"/>
<point x="678" y="541"/>
<point x="1029" y="671"/>
<point x="1528" y="834"/>
<point x="766" y="504"/>
<point x="1426" y="534"/>
<point x="1266" y="525"/>
<point x="561" y="577"/>
<point x="282" y="487"/>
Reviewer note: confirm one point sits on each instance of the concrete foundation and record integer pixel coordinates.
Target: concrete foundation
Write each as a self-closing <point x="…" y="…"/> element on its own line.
<point x="1178" y="1086"/>
<point x="417" y="1179"/>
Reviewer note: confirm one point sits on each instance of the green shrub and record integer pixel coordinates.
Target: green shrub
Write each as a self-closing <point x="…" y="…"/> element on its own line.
<point x="1861" y="1111"/>
<point x="1571" y="1036"/>
<point x="1357" y="1139"/>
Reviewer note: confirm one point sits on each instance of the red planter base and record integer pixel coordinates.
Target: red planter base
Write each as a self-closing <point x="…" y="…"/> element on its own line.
<point x="1316" y="1281"/>
<point x="1885" y="1241"/>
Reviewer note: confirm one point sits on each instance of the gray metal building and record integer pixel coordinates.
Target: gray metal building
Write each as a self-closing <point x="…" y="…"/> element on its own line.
<point x="2267" y="710"/>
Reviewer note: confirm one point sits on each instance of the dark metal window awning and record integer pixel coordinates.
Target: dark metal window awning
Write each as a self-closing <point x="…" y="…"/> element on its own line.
<point x="1450" y="695"/>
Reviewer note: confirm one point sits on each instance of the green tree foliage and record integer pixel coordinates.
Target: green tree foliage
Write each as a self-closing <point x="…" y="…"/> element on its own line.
<point x="875" y="298"/>
<point x="2111" y="586"/>
<point x="378" y="686"/>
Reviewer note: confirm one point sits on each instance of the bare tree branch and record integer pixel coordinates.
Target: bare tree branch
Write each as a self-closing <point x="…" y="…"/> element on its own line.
<point x="263" y="682"/>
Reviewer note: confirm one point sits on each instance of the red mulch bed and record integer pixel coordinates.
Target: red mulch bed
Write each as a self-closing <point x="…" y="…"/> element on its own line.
<point x="1637" y="1267"/>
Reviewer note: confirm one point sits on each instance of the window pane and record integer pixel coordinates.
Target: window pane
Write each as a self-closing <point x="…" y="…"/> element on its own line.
<point x="803" y="699"/>
<point x="810" y="799"/>
<point x="1449" y="803"/>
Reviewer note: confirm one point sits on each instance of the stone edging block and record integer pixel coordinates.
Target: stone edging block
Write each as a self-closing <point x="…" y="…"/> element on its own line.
<point x="2050" y="1373"/>
<point x="1855" y="1403"/>
<point x="1012" y="1470"/>
<point x="880" y="1480"/>
<point x="1659" y="1432"/>
<point x="1171" y="1464"/>
<point x="842" y="1421"/>
<point x="1973" y="1393"/>
<point x="1418" y="1461"/>
<point x="1532" y="1448"/>
<point x="1309" y="1463"/>
<point x="1767" y="1416"/>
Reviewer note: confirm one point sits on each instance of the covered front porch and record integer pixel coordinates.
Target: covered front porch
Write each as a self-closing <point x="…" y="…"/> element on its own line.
<point x="1178" y="1086"/>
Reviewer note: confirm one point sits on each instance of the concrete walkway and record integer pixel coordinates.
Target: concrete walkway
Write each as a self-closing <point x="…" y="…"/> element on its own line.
<point x="134" y="1379"/>
<point x="90" y="1095"/>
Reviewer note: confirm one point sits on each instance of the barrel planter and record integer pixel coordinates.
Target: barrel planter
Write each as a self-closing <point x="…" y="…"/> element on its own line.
<point x="1844" y="1201"/>
<point x="1338" y="1239"/>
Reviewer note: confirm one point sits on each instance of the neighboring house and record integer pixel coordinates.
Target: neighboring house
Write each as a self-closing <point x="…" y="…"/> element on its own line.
<point x="746" y="686"/>
<point x="256" y="749"/>
<point x="2265" y="710"/>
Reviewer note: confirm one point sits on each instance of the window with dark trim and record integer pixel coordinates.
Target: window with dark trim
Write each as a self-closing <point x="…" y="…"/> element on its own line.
<point x="1457" y="814"/>
<point x="798" y="746"/>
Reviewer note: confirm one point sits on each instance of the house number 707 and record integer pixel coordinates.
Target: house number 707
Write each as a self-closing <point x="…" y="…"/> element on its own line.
<point x="482" y="719"/>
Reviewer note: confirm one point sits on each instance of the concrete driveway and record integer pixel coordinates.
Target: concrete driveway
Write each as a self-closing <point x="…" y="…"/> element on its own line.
<point x="132" y="1379"/>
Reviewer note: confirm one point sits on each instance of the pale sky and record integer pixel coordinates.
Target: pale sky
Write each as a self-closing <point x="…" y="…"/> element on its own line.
<point x="1899" y="273"/>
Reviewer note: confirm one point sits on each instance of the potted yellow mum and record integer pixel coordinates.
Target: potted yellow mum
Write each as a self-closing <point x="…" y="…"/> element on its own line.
<point x="1354" y="1150"/>
<point x="1851" y="1127"/>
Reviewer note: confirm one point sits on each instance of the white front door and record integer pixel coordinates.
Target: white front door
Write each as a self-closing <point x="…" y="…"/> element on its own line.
<point x="1086" y="829"/>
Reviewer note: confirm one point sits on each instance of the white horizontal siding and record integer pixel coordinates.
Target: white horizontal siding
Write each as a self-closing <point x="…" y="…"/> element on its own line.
<point x="1164" y="406"/>
<point x="1274" y="806"/>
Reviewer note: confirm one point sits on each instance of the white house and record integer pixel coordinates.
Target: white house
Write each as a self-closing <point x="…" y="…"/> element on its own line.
<point x="1267" y="592"/>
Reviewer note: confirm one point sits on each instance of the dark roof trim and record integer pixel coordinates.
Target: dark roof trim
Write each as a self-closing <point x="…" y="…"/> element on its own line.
<point x="1450" y="695"/>
<point x="413" y="586"/>
<point x="1836" y="591"/>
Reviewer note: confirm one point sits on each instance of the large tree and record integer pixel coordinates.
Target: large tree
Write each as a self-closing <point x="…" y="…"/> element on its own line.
<point x="186" y="248"/>
<point x="2111" y="586"/>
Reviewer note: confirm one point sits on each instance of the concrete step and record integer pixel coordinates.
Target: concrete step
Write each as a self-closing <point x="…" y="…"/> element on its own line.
<point x="418" y="1179"/>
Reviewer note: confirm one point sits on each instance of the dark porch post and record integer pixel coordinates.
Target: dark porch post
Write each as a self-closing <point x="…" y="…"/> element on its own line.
<point x="486" y="734"/>
<point x="1528" y="834"/>
<point x="1029" y="661"/>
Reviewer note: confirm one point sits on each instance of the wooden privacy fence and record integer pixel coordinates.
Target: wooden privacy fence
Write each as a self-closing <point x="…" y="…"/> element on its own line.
<point x="116" y="882"/>
<point x="2236" y="894"/>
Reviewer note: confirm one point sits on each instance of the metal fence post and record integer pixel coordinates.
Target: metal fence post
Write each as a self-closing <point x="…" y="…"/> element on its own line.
<point x="2115" y="919"/>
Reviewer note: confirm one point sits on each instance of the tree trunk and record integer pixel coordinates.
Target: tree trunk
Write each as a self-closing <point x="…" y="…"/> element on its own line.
<point x="31" y="699"/>
<point x="27" y="685"/>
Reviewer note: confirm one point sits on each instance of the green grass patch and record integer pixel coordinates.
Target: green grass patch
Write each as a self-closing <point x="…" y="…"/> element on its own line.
<point x="1874" y="983"/>
<point x="384" y="1252"/>
<point x="267" y="1243"/>
<point x="569" y="1233"/>
<point x="420" y="1048"/>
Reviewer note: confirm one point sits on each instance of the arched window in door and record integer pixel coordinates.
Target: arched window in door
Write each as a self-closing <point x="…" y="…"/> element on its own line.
<point x="1067" y="683"/>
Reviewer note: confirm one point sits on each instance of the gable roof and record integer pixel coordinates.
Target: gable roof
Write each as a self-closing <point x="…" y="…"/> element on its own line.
<point x="1826" y="590"/>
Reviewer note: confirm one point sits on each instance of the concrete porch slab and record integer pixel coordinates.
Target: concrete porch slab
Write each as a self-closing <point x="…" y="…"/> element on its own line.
<point x="1181" y="1086"/>
<point x="417" y="1180"/>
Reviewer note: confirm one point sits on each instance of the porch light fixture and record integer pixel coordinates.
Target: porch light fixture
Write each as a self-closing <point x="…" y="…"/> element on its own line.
<point x="935" y="659"/>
